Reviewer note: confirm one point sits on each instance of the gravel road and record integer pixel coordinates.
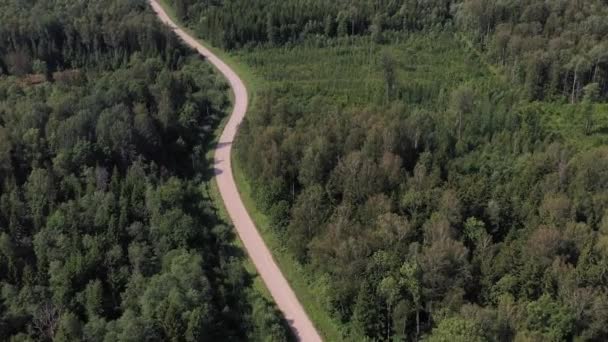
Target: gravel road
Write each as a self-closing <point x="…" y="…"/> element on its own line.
<point x="254" y="244"/>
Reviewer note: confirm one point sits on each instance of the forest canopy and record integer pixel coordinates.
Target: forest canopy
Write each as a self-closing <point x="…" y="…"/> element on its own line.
<point x="437" y="168"/>
<point x="106" y="229"/>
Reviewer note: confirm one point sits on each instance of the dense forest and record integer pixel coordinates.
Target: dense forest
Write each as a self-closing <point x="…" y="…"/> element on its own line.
<point x="106" y="229"/>
<point x="439" y="169"/>
<point x="555" y="48"/>
<point x="236" y="23"/>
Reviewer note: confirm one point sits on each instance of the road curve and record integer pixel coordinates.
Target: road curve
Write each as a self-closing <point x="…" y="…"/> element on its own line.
<point x="276" y="283"/>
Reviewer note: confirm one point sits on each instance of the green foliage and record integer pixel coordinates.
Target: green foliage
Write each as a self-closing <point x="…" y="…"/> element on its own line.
<point x="551" y="319"/>
<point x="105" y="231"/>
<point x="553" y="49"/>
<point x="238" y="23"/>
<point x="268" y="326"/>
<point x="39" y="36"/>
<point x="440" y="164"/>
<point x="179" y="298"/>
<point x="457" y="330"/>
<point x="365" y="314"/>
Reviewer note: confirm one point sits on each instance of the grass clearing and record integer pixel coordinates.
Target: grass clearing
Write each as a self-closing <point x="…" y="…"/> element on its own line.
<point x="353" y="73"/>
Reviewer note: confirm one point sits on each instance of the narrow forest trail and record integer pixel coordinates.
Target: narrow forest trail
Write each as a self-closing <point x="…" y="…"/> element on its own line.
<point x="259" y="253"/>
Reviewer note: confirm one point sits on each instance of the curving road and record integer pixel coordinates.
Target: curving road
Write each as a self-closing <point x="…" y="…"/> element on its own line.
<point x="276" y="283"/>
